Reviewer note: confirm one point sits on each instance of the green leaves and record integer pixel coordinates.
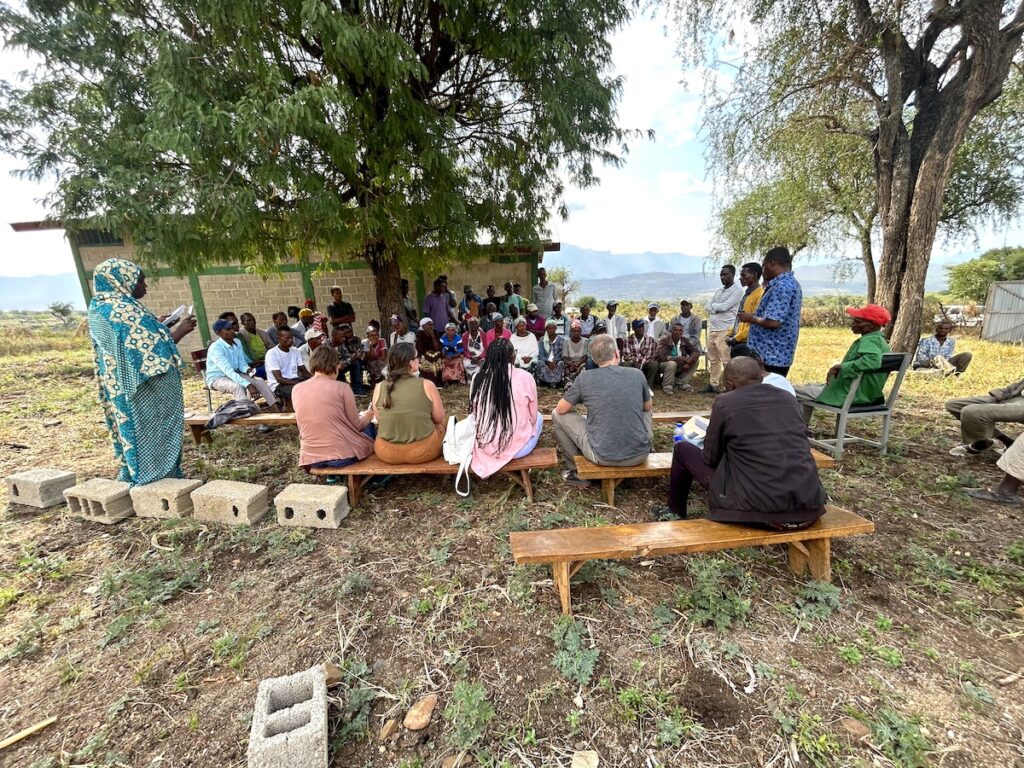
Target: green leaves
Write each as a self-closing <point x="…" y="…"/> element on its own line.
<point x="217" y="132"/>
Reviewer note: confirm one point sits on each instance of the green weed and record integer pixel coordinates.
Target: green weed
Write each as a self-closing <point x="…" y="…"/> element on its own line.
<point x="468" y="714"/>
<point x="816" y="601"/>
<point x="572" y="658"/>
<point x="358" y="697"/>
<point x="809" y="738"/>
<point x="898" y="737"/>
<point x="718" y="597"/>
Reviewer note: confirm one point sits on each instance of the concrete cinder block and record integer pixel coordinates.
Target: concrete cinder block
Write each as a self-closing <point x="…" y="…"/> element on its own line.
<point x="230" y="502"/>
<point x="312" y="506"/>
<point x="289" y="722"/>
<point x="100" y="501"/>
<point x="40" y="488"/>
<point x="164" y="498"/>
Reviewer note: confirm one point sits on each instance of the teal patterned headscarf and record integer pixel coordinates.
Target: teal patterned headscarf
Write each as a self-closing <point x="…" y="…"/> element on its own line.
<point x="132" y="348"/>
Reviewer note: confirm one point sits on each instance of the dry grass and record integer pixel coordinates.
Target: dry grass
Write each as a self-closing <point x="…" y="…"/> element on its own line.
<point x="148" y="639"/>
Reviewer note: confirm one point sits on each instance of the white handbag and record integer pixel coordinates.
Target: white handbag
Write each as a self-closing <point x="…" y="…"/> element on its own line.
<point x="457" y="448"/>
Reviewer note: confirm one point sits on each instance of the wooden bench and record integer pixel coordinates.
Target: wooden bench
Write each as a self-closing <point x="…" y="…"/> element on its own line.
<point x="197" y="423"/>
<point x="567" y="549"/>
<point x="656" y="465"/>
<point x="358" y="474"/>
<point x="662" y="417"/>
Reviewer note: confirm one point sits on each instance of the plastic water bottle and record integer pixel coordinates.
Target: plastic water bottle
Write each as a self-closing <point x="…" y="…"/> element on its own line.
<point x="678" y="433"/>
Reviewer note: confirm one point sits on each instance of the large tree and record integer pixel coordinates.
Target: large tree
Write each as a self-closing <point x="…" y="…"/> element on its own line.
<point x="920" y="69"/>
<point x="814" y="188"/>
<point x="394" y="131"/>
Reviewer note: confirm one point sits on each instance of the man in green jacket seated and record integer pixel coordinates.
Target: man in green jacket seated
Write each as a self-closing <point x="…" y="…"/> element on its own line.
<point x="865" y="354"/>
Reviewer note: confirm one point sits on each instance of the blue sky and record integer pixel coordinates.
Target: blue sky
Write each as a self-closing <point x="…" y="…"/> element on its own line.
<point x="660" y="200"/>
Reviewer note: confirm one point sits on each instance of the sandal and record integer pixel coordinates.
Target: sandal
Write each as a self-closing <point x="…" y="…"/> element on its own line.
<point x="987" y="494"/>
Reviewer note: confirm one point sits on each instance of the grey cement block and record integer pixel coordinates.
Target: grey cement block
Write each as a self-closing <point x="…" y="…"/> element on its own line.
<point x="164" y="498"/>
<point x="289" y="722"/>
<point x="40" y="488"/>
<point x="312" y="506"/>
<point x="100" y="501"/>
<point x="230" y="502"/>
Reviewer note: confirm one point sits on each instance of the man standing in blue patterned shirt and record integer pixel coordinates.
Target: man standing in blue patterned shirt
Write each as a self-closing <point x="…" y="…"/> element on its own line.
<point x="775" y="327"/>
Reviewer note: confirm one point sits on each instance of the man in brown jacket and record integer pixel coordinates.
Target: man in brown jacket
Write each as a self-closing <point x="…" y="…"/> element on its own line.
<point x="756" y="462"/>
<point x="979" y="415"/>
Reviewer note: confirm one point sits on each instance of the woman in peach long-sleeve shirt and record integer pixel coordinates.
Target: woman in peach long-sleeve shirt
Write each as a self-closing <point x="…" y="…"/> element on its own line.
<point x="332" y="431"/>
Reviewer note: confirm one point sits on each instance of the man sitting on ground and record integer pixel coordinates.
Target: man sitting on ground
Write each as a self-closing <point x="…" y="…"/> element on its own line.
<point x="284" y="364"/>
<point x="756" y="462"/>
<point x="865" y="354"/>
<point x="642" y="352"/>
<point x="227" y="367"/>
<point x="938" y="352"/>
<point x="677" y="360"/>
<point x="979" y="415"/>
<point x="618" y="430"/>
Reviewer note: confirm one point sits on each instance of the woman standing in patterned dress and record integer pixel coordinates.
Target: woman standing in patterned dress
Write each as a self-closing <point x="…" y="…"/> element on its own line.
<point x="138" y="370"/>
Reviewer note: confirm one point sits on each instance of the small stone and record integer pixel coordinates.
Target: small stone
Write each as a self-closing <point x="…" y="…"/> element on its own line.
<point x="389" y="730"/>
<point x="855" y="727"/>
<point x="586" y="759"/>
<point x="486" y="572"/>
<point x="460" y="760"/>
<point x="332" y="674"/>
<point x="418" y="716"/>
<point x="52" y="423"/>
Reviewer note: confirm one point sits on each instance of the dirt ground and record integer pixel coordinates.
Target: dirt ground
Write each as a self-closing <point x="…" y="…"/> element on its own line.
<point x="148" y="639"/>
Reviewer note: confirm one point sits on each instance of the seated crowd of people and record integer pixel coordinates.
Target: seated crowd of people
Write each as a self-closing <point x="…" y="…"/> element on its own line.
<point x="754" y="458"/>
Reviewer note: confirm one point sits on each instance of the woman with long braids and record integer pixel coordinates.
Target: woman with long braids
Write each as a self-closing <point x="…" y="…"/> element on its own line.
<point x="409" y="413"/>
<point x="503" y="399"/>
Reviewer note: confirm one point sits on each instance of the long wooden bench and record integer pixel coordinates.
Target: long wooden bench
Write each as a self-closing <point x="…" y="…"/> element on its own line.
<point x="567" y="549"/>
<point x="358" y="474"/>
<point x="656" y="465"/>
<point x="197" y="422"/>
<point x="661" y="417"/>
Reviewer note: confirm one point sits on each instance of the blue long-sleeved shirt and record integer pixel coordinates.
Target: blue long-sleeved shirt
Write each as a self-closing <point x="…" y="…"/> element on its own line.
<point x="224" y="361"/>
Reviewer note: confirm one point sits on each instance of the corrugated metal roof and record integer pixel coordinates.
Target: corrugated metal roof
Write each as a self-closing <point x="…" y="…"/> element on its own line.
<point x="1004" y="312"/>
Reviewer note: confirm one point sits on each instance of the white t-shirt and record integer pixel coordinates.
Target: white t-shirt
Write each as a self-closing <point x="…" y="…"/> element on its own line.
<point x="779" y="381"/>
<point x="286" y="362"/>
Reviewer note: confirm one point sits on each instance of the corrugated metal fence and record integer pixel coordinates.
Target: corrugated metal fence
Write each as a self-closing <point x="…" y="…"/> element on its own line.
<point x="1004" y="312"/>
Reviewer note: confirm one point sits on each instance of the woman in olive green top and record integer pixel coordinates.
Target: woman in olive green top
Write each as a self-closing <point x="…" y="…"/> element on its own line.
<point x="409" y="413"/>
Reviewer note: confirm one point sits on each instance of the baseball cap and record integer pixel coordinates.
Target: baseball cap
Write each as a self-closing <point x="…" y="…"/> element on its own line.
<point x="653" y="306"/>
<point x="531" y="307"/>
<point x="520" y="321"/>
<point x="638" y="323"/>
<point x="425" y="321"/>
<point x="305" y="312"/>
<point x="611" y="303"/>
<point x="872" y="313"/>
<point x="313" y="333"/>
<point x="601" y="324"/>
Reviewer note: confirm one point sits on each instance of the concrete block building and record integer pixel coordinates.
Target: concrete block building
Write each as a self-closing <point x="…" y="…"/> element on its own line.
<point x="234" y="287"/>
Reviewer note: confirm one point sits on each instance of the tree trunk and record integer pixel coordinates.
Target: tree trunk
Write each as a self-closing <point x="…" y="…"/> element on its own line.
<point x="387" y="282"/>
<point x="869" y="262"/>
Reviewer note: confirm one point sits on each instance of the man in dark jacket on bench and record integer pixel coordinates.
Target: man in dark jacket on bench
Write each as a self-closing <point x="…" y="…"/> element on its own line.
<point x="756" y="462"/>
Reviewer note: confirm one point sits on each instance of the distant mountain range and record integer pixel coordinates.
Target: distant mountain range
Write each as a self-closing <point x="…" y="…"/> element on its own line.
<point x="602" y="274"/>
<point x="673" y="276"/>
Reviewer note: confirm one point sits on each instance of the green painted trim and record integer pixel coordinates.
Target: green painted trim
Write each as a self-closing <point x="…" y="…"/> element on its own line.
<point x="228" y="270"/>
<point x="84" y="278"/>
<point x="200" y="308"/>
<point x="421" y="292"/>
<point x="307" y="282"/>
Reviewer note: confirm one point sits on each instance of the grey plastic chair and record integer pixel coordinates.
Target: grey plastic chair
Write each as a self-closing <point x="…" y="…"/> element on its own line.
<point x="893" y="362"/>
